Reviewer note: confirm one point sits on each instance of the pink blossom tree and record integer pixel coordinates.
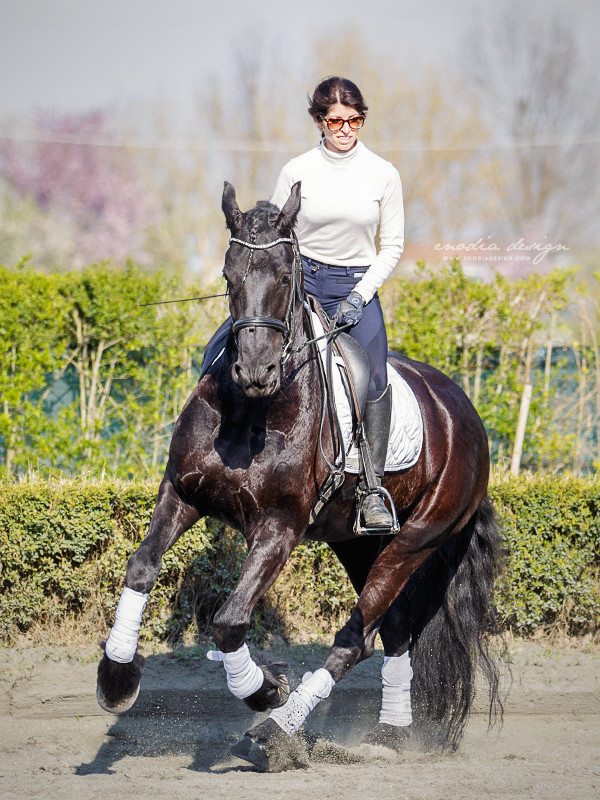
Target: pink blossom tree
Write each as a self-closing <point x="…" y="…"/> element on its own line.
<point x="91" y="188"/>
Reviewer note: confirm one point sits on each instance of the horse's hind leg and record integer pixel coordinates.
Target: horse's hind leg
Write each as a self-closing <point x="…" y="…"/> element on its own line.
<point x="120" y="669"/>
<point x="395" y="718"/>
<point x="386" y="578"/>
<point x="357" y="557"/>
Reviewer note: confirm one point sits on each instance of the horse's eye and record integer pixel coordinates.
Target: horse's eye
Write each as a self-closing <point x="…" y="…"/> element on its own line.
<point x="285" y="279"/>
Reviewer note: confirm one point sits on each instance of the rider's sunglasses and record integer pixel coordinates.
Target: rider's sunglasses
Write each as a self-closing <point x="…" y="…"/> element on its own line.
<point x="336" y="123"/>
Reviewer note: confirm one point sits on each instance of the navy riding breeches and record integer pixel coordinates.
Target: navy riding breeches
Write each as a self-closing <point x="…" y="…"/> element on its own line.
<point x="330" y="285"/>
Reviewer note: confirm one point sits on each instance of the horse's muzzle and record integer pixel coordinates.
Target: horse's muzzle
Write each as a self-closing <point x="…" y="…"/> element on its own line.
<point x="257" y="380"/>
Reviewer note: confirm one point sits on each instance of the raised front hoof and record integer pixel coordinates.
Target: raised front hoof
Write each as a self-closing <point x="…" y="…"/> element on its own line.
<point x="118" y="684"/>
<point x="273" y="693"/>
<point x="270" y="749"/>
<point x="391" y="736"/>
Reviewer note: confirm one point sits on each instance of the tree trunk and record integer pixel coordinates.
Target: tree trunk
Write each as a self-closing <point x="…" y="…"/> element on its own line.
<point x="521" y="426"/>
<point x="548" y="363"/>
<point x="596" y="352"/>
<point x="465" y="368"/>
<point x="478" y="372"/>
<point x="81" y="368"/>
<point x="94" y="388"/>
<point x="579" y="437"/>
<point x="523" y="410"/>
<point x="156" y="440"/>
<point x="9" y="451"/>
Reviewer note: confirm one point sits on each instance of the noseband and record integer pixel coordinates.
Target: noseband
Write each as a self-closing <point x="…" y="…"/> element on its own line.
<point x="282" y="326"/>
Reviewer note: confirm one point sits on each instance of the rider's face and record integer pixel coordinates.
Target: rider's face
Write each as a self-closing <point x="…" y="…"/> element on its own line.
<point x="343" y="140"/>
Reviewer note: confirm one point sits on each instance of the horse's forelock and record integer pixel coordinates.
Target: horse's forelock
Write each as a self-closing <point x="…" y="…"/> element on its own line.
<point x="261" y="219"/>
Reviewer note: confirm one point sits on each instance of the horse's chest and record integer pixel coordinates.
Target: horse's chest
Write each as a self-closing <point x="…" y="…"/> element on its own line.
<point x="246" y="456"/>
<point x="247" y="445"/>
<point x="248" y="471"/>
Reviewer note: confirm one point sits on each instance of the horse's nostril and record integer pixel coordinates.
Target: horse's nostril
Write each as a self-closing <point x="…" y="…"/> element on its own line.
<point x="238" y="371"/>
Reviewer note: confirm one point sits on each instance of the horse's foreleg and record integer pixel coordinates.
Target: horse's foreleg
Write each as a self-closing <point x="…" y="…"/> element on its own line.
<point x="120" y="669"/>
<point x="260" y="686"/>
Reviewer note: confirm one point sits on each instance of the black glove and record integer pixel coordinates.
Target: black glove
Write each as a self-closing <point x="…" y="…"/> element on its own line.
<point x="349" y="310"/>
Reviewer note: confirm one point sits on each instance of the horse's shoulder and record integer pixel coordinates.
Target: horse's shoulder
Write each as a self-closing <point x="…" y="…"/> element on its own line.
<point x="203" y="403"/>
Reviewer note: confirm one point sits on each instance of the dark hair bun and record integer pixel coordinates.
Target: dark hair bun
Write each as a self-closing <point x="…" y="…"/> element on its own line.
<point x="335" y="90"/>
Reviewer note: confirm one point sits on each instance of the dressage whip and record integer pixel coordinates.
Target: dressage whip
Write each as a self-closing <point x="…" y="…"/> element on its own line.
<point x="179" y="300"/>
<point x="328" y="335"/>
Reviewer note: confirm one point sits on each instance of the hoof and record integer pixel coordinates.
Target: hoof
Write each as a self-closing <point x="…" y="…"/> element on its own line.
<point x="273" y="693"/>
<point x="270" y="749"/>
<point x="118" y="684"/>
<point x="390" y="736"/>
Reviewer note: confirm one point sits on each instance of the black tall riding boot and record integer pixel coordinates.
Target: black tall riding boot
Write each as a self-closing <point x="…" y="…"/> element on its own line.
<point x="378" y="414"/>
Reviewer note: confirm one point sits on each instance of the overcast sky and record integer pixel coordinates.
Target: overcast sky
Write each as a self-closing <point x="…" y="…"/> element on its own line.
<point x="75" y="55"/>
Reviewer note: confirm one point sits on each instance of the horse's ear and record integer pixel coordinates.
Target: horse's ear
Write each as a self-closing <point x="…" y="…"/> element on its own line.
<point x="233" y="215"/>
<point x="287" y="216"/>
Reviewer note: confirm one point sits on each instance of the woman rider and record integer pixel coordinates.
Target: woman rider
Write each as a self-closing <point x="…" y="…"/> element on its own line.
<point x="348" y="193"/>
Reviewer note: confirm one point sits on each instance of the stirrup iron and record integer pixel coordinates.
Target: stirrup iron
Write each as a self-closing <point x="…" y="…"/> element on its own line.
<point x="365" y="530"/>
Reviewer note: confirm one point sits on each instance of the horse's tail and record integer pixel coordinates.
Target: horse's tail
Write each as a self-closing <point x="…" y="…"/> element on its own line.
<point x="452" y="617"/>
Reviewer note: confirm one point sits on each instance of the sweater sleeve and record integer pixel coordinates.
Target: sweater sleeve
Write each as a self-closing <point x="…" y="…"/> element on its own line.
<point x="391" y="238"/>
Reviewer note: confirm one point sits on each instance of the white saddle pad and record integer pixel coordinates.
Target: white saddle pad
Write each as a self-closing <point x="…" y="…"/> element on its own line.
<point x="406" y="430"/>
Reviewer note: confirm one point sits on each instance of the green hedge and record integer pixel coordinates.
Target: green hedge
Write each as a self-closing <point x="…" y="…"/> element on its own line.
<point x="64" y="547"/>
<point x="551" y="528"/>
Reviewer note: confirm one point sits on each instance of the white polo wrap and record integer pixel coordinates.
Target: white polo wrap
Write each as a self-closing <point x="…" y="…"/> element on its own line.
<point x="315" y="686"/>
<point x="396" y="675"/>
<point x="244" y="676"/>
<point x="123" y="638"/>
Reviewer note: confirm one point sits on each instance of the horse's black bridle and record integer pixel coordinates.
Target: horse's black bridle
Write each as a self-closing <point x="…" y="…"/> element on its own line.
<point x="282" y="326"/>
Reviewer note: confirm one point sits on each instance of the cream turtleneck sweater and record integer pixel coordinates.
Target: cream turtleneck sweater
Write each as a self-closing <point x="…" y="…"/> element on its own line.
<point x="345" y="197"/>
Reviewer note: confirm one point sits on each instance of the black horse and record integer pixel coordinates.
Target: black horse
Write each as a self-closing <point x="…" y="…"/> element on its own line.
<point x="245" y="451"/>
